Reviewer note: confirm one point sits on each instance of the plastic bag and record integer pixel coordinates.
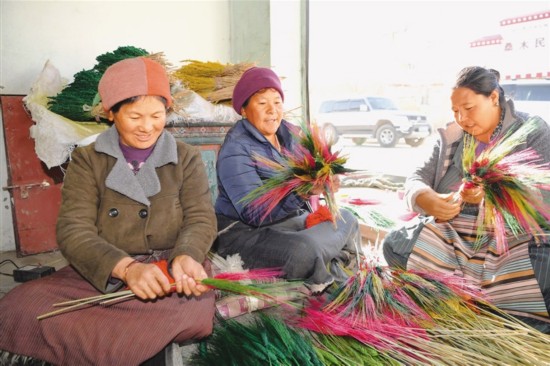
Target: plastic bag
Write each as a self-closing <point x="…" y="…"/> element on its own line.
<point x="55" y="136"/>
<point x="191" y="107"/>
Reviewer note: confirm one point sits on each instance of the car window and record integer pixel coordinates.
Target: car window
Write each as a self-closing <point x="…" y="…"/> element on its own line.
<point x="355" y="104"/>
<point x="382" y="103"/>
<point x="341" y="106"/>
<point x="326" y="107"/>
<point x="528" y="92"/>
<point x="540" y="93"/>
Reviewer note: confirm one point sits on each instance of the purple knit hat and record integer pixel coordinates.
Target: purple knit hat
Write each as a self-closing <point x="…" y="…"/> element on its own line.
<point x="251" y="81"/>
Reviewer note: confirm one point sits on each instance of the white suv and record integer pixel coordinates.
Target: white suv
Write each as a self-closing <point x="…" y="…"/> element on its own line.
<point x="372" y="117"/>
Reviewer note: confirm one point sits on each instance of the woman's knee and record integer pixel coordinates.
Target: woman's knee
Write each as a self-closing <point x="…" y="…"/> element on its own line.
<point x="349" y="218"/>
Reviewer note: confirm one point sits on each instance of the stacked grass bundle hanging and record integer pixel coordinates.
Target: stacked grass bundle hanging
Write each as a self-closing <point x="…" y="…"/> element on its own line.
<point x="211" y="80"/>
<point x="76" y="101"/>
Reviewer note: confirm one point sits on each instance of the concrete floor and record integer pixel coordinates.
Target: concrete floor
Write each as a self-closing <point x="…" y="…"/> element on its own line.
<point x="51" y="259"/>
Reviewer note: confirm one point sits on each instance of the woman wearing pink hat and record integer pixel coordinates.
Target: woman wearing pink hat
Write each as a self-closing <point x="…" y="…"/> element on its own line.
<point x="134" y="197"/>
<point x="315" y="254"/>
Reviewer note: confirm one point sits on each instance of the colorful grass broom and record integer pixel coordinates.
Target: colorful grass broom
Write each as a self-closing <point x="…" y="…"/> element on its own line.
<point x="423" y="318"/>
<point x="310" y="165"/>
<point x="512" y="183"/>
<point x="382" y="317"/>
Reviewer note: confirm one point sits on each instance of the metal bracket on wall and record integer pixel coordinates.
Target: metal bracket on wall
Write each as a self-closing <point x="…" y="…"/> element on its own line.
<point x="24" y="188"/>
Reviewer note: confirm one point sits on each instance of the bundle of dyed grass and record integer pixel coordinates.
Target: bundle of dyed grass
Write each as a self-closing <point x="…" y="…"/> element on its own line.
<point x="419" y="318"/>
<point x="512" y="183"/>
<point x="211" y="80"/>
<point x="261" y="283"/>
<point x="266" y="340"/>
<point x="271" y="340"/>
<point x="371" y="217"/>
<point x="77" y="99"/>
<point x="311" y="165"/>
<point x="382" y="317"/>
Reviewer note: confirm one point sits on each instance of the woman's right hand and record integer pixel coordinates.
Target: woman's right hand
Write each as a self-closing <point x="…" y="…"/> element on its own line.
<point x="320" y="189"/>
<point x="145" y="280"/>
<point x="442" y="206"/>
<point x="472" y="194"/>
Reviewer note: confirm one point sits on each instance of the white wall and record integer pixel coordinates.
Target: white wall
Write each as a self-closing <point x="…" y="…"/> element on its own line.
<point x="71" y="34"/>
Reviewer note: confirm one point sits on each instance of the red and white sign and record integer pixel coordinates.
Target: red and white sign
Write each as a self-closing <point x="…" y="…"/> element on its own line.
<point x="521" y="49"/>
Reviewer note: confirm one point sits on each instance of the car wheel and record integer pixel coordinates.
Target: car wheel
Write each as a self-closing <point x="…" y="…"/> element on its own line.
<point x="330" y="133"/>
<point x="414" y="142"/>
<point x="358" y="140"/>
<point x="386" y="136"/>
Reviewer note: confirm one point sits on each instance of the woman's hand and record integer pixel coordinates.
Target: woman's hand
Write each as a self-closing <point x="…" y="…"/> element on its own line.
<point x="187" y="272"/>
<point x="146" y="280"/>
<point x="442" y="206"/>
<point x="319" y="189"/>
<point x="335" y="183"/>
<point x="472" y="194"/>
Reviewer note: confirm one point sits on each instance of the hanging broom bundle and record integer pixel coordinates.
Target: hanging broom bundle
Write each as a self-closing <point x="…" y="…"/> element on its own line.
<point x="211" y="80"/>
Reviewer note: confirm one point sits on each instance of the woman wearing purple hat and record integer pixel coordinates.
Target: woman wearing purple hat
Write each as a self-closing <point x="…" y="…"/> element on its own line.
<point x="315" y="254"/>
<point x="134" y="197"/>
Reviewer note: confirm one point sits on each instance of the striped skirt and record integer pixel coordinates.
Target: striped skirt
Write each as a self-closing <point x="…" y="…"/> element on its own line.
<point x="517" y="281"/>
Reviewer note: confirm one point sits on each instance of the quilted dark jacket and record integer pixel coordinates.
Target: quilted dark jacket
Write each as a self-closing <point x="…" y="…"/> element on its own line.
<point x="238" y="173"/>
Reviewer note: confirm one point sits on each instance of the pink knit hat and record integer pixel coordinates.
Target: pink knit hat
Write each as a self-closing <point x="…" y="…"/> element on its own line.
<point x="251" y="81"/>
<point x="133" y="77"/>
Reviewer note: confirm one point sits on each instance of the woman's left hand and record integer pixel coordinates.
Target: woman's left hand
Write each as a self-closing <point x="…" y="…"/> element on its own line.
<point x="187" y="274"/>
